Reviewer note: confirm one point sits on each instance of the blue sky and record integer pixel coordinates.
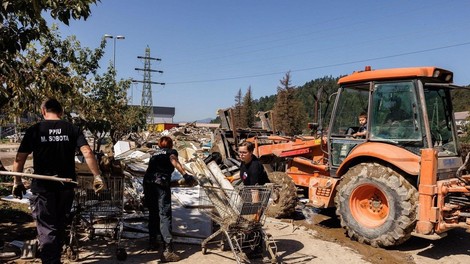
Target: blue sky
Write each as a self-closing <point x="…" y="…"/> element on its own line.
<point x="212" y="48"/>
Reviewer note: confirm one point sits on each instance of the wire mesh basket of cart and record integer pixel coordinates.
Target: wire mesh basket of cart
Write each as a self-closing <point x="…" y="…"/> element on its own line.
<point x="98" y="213"/>
<point x="239" y="214"/>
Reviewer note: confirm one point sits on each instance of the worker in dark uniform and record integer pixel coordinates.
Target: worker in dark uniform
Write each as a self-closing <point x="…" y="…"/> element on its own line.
<point x="53" y="143"/>
<point x="157" y="195"/>
<point x="251" y="170"/>
<point x="252" y="173"/>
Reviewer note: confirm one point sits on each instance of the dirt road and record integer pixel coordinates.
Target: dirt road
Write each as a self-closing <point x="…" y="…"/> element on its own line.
<point x="296" y="244"/>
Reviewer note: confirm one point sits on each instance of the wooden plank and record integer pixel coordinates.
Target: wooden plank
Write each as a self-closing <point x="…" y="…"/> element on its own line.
<point x="219" y="176"/>
<point x="37" y="176"/>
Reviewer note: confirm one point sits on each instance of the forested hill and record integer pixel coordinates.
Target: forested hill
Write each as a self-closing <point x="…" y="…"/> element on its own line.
<point x="461" y="99"/>
<point x="307" y="93"/>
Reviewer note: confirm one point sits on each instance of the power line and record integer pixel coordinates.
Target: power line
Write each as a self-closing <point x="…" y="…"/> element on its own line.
<point x="282" y="36"/>
<point x="321" y="67"/>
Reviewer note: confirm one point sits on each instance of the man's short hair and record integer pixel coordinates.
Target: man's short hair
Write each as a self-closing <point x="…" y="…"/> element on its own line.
<point x="51" y="105"/>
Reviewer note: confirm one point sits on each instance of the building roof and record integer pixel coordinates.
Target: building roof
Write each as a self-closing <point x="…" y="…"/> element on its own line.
<point x="162" y="110"/>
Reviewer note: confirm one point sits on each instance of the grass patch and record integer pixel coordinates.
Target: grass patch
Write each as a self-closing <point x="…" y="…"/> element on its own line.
<point x="5" y="189"/>
<point x="16" y="222"/>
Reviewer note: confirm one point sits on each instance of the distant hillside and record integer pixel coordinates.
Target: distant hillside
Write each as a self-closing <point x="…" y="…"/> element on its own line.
<point x="205" y="120"/>
<point x="308" y="92"/>
<point x="460" y="99"/>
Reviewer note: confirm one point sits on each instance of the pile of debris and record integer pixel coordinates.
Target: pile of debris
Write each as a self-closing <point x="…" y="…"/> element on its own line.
<point x="130" y="159"/>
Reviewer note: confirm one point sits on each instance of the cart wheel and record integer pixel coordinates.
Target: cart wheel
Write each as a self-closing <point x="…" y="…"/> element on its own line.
<point x="223" y="246"/>
<point x="121" y="254"/>
<point x="71" y="254"/>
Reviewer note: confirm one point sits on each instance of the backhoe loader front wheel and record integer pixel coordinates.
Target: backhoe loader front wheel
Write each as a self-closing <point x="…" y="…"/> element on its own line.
<point x="284" y="196"/>
<point x="376" y="205"/>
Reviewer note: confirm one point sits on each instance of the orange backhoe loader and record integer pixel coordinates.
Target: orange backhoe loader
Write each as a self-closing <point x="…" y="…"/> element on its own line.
<point x="404" y="177"/>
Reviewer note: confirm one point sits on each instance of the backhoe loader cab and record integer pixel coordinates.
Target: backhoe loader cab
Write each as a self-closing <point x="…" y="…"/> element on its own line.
<point x="408" y="109"/>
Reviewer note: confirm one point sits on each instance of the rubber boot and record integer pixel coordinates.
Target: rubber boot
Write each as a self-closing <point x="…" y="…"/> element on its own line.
<point x="169" y="254"/>
<point x="153" y="244"/>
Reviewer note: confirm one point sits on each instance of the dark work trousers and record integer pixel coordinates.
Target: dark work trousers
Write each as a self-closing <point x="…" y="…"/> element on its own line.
<point x="49" y="210"/>
<point x="158" y="201"/>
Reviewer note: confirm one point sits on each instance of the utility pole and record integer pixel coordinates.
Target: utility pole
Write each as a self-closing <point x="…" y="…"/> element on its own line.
<point x="114" y="46"/>
<point x="146" y="101"/>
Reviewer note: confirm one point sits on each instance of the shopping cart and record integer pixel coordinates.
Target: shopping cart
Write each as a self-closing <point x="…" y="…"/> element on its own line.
<point x="98" y="213"/>
<point x="239" y="214"/>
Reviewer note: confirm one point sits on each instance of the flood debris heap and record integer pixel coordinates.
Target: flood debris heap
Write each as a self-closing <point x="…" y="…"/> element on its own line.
<point x="208" y="153"/>
<point x="130" y="159"/>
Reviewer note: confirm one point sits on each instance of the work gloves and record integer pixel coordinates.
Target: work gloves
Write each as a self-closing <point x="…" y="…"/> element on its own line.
<point x="98" y="183"/>
<point x="189" y="180"/>
<point x="18" y="190"/>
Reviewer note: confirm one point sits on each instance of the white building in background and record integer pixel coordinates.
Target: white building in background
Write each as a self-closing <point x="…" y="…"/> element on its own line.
<point x="162" y="114"/>
<point x="461" y="119"/>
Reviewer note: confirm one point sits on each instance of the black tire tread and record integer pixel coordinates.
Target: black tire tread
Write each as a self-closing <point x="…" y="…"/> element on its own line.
<point x="285" y="205"/>
<point x="405" y="221"/>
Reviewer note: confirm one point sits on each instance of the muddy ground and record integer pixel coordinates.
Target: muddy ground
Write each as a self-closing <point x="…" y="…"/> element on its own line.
<point x="319" y="239"/>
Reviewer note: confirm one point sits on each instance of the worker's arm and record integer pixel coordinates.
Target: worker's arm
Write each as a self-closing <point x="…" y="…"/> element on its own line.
<point x="18" y="165"/>
<point x="90" y="160"/>
<point x="188" y="179"/>
<point x="174" y="160"/>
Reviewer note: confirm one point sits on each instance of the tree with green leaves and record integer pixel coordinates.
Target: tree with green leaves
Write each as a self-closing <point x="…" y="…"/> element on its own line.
<point x="265" y="103"/>
<point x="317" y="99"/>
<point x="105" y="110"/>
<point x="61" y="68"/>
<point x="248" y="110"/>
<point x="237" y="109"/>
<point x="290" y="116"/>
<point x="54" y="68"/>
<point x="22" y="23"/>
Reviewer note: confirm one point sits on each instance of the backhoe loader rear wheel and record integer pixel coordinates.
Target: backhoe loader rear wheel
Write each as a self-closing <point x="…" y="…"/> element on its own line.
<point x="284" y="197"/>
<point x="376" y="205"/>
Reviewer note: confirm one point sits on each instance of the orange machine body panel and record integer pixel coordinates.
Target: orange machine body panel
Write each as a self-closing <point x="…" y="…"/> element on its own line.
<point x="396" y="73"/>
<point x="397" y="156"/>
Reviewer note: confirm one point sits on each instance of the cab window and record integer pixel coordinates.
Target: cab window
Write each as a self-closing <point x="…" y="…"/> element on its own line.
<point x="351" y="103"/>
<point x="394" y="114"/>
